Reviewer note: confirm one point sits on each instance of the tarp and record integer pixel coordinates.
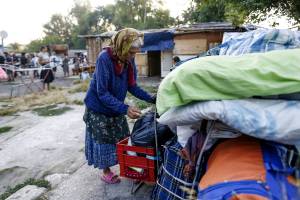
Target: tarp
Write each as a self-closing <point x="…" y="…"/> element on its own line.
<point x="158" y="41"/>
<point x="260" y="40"/>
<point x="231" y="77"/>
<point x="274" y="120"/>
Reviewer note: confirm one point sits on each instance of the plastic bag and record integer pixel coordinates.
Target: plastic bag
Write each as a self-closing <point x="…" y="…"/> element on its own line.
<point x="143" y="133"/>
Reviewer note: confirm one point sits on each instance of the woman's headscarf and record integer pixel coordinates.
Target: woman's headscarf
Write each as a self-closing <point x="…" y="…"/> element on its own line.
<point x="121" y="44"/>
<point x="123" y="40"/>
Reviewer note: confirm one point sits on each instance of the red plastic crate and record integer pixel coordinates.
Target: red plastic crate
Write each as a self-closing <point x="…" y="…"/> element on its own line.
<point x="126" y="161"/>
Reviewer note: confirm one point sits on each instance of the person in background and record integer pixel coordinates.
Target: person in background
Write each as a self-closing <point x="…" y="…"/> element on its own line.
<point x="53" y="62"/>
<point x="65" y="65"/>
<point x="46" y="73"/>
<point x="3" y="74"/>
<point x="176" y="60"/>
<point x="23" y="62"/>
<point x="106" y="124"/>
<point x="2" y="58"/>
<point x="76" y="65"/>
<point x="15" y="59"/>
<point x="8" y="59"/>
<point x="35" y="64"/>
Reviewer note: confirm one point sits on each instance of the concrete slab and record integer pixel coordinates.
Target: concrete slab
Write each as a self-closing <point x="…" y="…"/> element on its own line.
<point x="85" y="184"/>
<point x="29" y="192"/>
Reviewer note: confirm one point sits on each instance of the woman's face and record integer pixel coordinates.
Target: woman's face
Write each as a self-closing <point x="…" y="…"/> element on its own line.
<point x="132" y="52"/>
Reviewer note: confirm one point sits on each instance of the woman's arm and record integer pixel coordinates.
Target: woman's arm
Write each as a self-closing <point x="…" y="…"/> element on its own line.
<point x="102" y="78"/>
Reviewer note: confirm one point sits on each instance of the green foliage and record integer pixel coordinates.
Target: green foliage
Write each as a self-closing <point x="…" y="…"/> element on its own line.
<point x="35" y="45"/>
<point x="78" y="102"/>
<point x="16" y="47"/>
<point x="238" y="12"/>
<point x="37" y="182"/>
<point x="138" y="14"/>
<point x="82" y="20"/>
<point x="59" y="27"/>
<point x="8" y="111"/>
<point x="259" y="10"/>
<point x="82" y="87"/>
<point x="214" y="11"/>
<point x="5" y="129"/>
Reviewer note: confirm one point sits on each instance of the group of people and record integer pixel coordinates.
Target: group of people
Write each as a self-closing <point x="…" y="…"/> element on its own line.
<point x="79" y="60"/>
<point x="45" y="59"/>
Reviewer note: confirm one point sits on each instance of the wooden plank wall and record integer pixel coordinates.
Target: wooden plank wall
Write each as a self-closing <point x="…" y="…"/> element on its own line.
<point x="141" y="61"/>
<point x="93" y="49"/>
<point x="195" y="43"/>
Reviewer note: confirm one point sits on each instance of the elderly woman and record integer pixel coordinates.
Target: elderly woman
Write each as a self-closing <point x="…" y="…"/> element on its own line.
<point x="105" y="120"/>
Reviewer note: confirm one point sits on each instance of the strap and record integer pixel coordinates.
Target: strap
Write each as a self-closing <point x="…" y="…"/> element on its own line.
<point x="226" y="190"/>
<point x="276" y="173"/>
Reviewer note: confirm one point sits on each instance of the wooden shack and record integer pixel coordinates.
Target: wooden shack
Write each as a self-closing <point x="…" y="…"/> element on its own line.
<point x="188" y="41"/>
<point x="94" y="45"/>
<point x="59" y="49"/>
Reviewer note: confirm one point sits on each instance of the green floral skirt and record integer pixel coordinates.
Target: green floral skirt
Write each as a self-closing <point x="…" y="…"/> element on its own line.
<point x="106" y="130"/>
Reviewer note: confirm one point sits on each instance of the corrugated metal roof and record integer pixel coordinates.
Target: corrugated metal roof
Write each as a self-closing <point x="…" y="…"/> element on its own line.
<point x="107" y="34"/>
<point x="200" y="27"/>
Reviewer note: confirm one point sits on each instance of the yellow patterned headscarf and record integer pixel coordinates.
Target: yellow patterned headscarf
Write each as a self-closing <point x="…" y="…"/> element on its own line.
<point x="122" y="41"/>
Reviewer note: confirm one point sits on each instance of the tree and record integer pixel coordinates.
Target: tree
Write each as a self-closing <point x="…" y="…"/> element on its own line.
<point x="238" y="12"/>
<point x="59" y="27"/>
<point x="138" y="14"/>
<point x="259" y="10"/>
<point x="15" y="47"/>
<point x="80" y="14"/>
<point x="35" y="45"/>
<point x="214" y="10"/>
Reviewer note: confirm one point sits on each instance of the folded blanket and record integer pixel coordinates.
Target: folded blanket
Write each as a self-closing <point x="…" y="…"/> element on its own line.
<point x="231" y="77"/>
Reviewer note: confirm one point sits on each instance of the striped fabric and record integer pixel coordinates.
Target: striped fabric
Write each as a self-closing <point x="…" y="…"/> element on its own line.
<point x="171" y="178"/>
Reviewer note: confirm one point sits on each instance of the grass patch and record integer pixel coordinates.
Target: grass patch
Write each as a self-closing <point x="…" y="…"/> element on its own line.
<point x="37" y="182"/>
<point x="8" y="111"/>
<point x="77" y="102"/>
<point x="137" y="102"/>
<point x="142" y="105"/>
<point x="27" y="102"/>
<point x="5" y="129"/>
<point x="51" y="110"/>
<point x="76" y="82"/>
<point x="82" y="87"/>
<point x="150" y="89"/>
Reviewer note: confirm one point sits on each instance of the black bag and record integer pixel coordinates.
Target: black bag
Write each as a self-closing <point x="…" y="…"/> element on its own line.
<point x="143" y="133"/>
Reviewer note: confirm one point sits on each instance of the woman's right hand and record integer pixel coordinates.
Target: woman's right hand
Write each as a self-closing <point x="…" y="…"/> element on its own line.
<point x="133" y="112"/>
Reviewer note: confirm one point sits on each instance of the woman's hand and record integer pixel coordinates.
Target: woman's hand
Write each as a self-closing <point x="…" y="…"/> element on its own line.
<point x="133" y="112"/>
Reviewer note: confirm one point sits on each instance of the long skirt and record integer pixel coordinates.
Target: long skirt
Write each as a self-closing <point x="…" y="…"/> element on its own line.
<point x="102" y="134"/>
<point x="47" y="75"/>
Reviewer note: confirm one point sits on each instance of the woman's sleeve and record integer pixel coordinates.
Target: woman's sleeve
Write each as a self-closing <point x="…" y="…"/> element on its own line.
<point x="105" y="97"/>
